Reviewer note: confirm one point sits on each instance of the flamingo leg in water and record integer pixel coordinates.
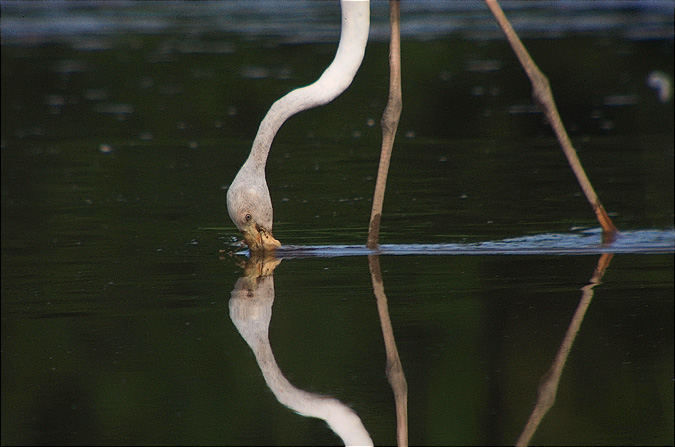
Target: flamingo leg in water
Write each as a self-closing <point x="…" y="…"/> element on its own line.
<point x="389" y="122"/>
<point x="541" y="91"/>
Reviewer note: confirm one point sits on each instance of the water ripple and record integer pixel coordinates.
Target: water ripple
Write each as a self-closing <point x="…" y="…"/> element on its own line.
<point x="588" y="242"/>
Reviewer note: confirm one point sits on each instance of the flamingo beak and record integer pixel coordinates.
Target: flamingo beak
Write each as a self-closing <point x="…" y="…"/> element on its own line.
<point x="259" y="239"/>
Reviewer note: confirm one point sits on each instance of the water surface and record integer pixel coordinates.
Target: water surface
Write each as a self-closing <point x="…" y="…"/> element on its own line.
<point x="125" y="320"/>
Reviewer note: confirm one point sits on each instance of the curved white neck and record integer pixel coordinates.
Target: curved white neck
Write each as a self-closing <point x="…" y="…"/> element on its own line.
<point x="335" y="80"/>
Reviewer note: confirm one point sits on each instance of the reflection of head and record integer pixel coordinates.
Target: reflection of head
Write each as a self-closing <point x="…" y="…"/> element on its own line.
<point x="251" y="312"/>
<point x="251" y="308"/>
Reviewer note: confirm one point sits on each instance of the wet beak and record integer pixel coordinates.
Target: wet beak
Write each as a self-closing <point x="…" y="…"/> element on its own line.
<point x="259" y="239"/>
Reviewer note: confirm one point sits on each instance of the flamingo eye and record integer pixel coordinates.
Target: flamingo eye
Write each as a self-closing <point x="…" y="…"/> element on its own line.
<point x="248" y="217"/>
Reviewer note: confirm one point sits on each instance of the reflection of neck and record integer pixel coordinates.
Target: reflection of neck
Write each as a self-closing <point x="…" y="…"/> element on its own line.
<point x="333" y="81"/>
<point x="251" y="311"/>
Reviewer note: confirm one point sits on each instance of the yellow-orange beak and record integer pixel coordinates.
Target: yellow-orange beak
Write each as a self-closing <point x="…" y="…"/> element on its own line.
<point x="259" y="239"/>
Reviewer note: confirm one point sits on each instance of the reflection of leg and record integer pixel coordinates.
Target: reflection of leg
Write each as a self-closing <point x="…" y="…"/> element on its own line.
<point x="394" y="368"/>
<point x="389" y="123"/>
<point x="549" y="384"/>
<point x="541" y="90"/>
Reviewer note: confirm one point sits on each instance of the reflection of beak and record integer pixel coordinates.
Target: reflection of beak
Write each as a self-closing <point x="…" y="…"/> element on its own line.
<point x="259" y="266"/>
<point x="259" y="239"/>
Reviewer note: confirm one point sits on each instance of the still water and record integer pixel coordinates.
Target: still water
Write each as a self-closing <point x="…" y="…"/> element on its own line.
<point x="493" y="313"/>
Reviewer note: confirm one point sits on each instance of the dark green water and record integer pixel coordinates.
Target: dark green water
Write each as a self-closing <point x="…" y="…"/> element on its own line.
<point x="117" y="149"/>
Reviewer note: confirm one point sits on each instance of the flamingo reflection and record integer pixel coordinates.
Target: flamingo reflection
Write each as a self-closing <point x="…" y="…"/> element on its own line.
<point x="251" y="312"/>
